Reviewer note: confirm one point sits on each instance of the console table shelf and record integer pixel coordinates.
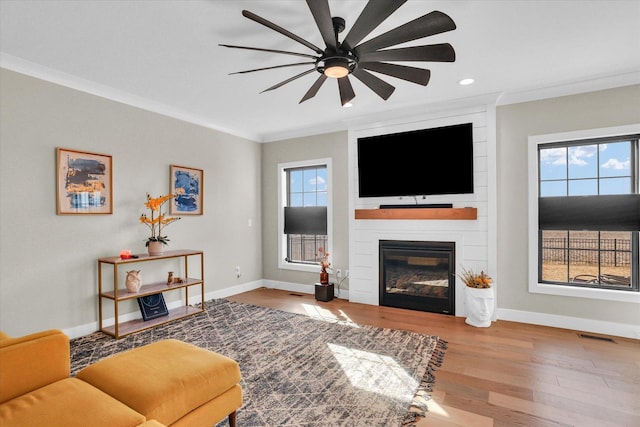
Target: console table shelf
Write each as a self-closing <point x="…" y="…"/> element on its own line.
<point x="117" y="294"/>
<point x="137" y="325"/>
<point x="418" y="213"/>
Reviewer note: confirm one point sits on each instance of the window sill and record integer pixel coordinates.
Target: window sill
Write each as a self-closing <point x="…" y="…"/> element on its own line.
<point x="592" y="293"/>
<point x="299" y="267"/>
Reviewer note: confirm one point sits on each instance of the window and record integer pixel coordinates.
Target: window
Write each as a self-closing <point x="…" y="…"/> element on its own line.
<point x="588" y="214"/>
<point x="305" y="200"/>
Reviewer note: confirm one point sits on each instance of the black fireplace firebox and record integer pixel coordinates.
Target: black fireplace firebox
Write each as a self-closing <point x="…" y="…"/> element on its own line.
<point x="418" y="275"/>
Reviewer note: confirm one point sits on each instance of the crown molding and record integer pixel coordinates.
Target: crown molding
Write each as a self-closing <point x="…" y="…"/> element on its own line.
<point x="571" y="88"/>
<point x="61" y="78"/>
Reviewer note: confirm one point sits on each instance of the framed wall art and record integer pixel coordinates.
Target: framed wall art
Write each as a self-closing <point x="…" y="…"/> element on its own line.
<point x="187" y="187"/>
<point x="84" y="183"/>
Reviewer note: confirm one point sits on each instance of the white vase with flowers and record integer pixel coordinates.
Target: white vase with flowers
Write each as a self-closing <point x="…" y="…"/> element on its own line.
<point x="156" y="223"/>
<point x="478" y="298"/>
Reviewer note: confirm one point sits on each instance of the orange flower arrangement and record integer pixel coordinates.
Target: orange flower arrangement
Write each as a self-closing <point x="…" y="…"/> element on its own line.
<point x="474" y="280"/>
<point x="157" y="223"/>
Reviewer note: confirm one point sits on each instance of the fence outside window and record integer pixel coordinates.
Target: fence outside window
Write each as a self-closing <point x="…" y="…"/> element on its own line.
<point x="304" y="248"/>
<point x="563" y="250"/>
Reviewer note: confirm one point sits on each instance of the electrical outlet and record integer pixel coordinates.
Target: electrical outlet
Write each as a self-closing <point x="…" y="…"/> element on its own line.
<point x="338" y="273"/>
<point x="238" y="274"/>
<point x="346" y="274"/>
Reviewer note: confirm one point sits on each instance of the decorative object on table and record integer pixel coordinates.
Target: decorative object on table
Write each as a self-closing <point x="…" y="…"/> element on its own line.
<point x="157" y="222"/>
<point x="323" y="258"/>
<point x="187" y="186"/>
<point x="171" y="279"/>
<point x="133" y="282"/>
<point x="84" y="183"/>
<point x="152" y="306"/>
<point x="125" y="254"/>
<point x="478" y="298"/>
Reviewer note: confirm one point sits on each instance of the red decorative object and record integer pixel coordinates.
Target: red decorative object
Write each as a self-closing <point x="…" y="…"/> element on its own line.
<point x="324" y="277"/>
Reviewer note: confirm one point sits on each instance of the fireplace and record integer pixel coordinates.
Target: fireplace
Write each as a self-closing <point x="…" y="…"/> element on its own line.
<point x="418" y="275"/>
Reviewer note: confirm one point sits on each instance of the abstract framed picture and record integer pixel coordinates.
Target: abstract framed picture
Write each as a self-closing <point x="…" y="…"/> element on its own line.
<point x="84" y="183"/>
<point x="187" y="187"/>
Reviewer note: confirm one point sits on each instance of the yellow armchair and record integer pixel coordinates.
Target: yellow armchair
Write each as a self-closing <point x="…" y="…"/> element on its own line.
<point x="181" y="385"/>
<point x="31" y="362"/>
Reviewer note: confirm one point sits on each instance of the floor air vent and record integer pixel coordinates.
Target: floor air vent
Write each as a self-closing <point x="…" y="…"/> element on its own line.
<point x="595" y="337"/>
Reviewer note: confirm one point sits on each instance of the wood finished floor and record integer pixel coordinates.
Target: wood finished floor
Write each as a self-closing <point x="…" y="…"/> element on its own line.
<point x="511" y="374"/>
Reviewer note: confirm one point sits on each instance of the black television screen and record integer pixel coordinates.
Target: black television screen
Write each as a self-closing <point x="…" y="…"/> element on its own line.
<point x="417" y="163"/>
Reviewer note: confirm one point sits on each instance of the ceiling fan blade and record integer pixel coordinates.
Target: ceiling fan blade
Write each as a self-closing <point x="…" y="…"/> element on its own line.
<point x="280" y="30"/>
<point x="304" y="55"/>
<point x="271" y="68"/>
<point x="379" y="86"/>
<point x="404" y="72"/>
<point x="373" y="14"/>
<point x="435" y="52"/>
<point x="346" y="90"/>
<point x="427" y="25"/>
<point x="322" y="15"/>
<point x="314" y="88"/>
<point x="289" y="80"/>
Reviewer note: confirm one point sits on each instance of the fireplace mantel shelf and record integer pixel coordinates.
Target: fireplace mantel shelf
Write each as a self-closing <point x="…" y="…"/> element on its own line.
<point x="418" y="213"/>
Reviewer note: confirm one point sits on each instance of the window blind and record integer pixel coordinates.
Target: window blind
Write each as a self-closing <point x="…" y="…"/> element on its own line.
<point x="305" y="220"/>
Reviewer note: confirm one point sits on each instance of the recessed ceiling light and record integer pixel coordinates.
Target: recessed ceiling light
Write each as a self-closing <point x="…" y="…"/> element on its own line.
<point x="465" y="82"/>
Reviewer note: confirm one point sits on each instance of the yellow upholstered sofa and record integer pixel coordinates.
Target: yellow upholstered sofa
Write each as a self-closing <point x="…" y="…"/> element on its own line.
<point x="36" y="388"/>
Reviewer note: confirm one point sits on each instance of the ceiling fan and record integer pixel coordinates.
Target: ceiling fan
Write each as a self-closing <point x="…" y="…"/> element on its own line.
<point x="340" y="59"/>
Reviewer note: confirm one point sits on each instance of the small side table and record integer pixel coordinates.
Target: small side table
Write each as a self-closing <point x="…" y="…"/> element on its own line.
<point x="324" y="292"/>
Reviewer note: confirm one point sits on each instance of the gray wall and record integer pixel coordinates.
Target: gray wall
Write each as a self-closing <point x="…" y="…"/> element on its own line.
<point x="515" y="123"/>
<point x="333" y="145"/>
<point x="48" y="262"/>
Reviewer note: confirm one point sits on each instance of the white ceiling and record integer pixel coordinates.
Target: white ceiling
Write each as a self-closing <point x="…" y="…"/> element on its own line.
<point x="163" y="55"/>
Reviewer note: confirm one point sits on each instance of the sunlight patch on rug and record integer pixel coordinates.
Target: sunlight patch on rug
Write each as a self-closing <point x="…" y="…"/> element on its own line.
<point x="324" y="314"/>
<point x="374" y="372"/>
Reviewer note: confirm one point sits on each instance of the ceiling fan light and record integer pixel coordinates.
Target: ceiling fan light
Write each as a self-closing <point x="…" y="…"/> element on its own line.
<point x="336" y="68"/>
<point x="336" y="71"/>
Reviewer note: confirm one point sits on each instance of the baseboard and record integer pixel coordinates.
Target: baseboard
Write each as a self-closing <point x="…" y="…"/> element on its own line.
<point x="227" y="292"/>
<point x="574" y="323"/>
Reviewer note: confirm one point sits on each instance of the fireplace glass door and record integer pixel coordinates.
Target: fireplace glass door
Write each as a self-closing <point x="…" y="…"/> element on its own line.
<point x="418" y="275"/>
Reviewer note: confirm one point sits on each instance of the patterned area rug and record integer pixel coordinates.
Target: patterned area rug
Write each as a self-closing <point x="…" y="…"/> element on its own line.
<point x="298" y="370"/>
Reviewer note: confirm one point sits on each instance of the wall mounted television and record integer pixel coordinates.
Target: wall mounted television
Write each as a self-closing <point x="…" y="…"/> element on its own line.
<point x="417" y="163"/>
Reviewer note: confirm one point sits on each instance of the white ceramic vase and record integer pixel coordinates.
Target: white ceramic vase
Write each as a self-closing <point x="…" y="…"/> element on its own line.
<point x="133" y="281"/>
<point x="155" y="248"/>
<point x="479" y="303"/>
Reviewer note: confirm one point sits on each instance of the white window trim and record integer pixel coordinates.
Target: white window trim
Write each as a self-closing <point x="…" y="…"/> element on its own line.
<point x="545" y="288"/>
<point x="282" y="197"/>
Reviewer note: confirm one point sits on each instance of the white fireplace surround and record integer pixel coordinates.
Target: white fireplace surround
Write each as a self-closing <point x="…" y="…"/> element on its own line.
<point x="474" y="239"/>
